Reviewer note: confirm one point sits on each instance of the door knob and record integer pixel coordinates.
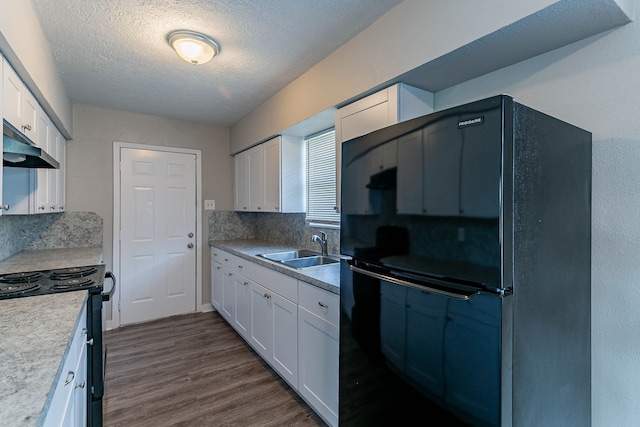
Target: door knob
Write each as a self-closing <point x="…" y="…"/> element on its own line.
<point x="190" y="245"/>
<point x="190" y="235"/>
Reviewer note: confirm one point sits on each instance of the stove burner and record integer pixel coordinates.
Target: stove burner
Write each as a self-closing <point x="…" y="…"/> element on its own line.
<point x="20" y="277"/>
<point x="72" y="273"/>
<point x="15" y="289"/>
<point x="70" y="284"/>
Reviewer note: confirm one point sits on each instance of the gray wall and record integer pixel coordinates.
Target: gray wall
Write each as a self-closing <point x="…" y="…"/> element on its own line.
<point x="90" y="164"/>
<point x="594" y="84"/>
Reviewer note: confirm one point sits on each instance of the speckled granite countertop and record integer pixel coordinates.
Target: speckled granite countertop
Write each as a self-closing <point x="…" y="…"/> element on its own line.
<point x="324" y="276"/>
<point x="34" y="338"/>
<point x="34" y="334"/>
<point x="47" y="259"/>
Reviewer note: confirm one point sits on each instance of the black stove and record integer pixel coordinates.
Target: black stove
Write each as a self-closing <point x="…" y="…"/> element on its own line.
<point x="15" y="285"/>
<point x="88" y="278"/>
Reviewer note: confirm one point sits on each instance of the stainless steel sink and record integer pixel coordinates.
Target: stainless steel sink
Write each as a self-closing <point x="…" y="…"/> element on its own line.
<point x="289" y="255"/>
<point x="310" y="261"/>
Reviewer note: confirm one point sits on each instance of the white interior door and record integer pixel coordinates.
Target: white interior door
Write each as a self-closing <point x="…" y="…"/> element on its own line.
<point x="157" y="234"/>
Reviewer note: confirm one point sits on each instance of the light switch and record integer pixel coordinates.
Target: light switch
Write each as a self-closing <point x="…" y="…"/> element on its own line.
<point x="209" y="205"/>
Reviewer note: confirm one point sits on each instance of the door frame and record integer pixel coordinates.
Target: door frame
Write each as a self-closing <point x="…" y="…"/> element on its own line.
<point x="117" y="146"/>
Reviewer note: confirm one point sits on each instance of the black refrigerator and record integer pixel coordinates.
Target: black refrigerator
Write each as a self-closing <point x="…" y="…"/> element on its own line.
<point x="466" y="284"/>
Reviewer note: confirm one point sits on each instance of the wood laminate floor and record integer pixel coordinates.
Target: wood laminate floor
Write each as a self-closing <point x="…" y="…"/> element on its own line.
<point x="194" y="370"/>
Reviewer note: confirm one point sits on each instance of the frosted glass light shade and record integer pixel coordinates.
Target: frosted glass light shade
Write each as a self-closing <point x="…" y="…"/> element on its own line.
<point x="193" y="47"/>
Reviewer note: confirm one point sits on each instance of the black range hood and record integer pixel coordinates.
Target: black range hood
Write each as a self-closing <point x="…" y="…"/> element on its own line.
<point x="19" y="152"/>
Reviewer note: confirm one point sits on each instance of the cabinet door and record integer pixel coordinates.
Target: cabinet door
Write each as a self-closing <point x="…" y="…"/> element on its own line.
<point x="52" y="174"/>
<point x="62" y="172"/>
<point x="29" y="115"/>
<point x="284" y="354"/>
<point x="241" y="161"/>
<point x="261" y="329"/>
<point x="41" y="177"/>
<point x="256" y="175"/>
<point x="228" y="294"/>
<point x="318" y="353"/>
<point x="78" y="403"/>
<point x="271" y="190"/>
<point x="242" y="310"/>
<point x="13" y="91"/>
<point x="2" y="201"/>
<point x="68" y="392"/>
<point x="217" y="278"/>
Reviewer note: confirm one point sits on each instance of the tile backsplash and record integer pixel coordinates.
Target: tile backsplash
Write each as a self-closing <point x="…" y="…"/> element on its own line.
<point x="48" y="231"/>
<point x="286" y="229"/>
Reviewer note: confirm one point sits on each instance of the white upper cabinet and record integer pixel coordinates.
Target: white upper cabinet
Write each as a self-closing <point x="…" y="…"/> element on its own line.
<point x="270" y="177"/>
<point x="3" y="206"/>
<point x="20" y="106"/>
<point x="62" y="172"/>
<point x="41" y="176"/>
<point x="31" y="190"/>
<point x="389" y="106"/>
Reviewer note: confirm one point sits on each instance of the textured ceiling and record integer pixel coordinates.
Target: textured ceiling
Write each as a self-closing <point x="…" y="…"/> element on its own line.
<point x="113" y="53"/>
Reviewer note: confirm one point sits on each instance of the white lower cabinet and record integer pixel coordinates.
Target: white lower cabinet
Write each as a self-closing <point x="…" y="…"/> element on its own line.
<point x="318" y="351"/>
<point x="242" y="305"/>
<point x="274" y="326"/>
<point x="292" y="325"/>
<point x="68" y="404"/>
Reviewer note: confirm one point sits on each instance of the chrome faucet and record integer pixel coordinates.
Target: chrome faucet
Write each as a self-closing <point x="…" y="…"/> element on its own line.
<point x="322" y="240"/>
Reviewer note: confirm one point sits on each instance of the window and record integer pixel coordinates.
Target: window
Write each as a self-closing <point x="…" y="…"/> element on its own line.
<point x="321" y="177"/>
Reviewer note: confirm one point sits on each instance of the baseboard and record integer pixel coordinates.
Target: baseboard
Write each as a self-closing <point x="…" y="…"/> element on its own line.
<point x="206" y="307"/>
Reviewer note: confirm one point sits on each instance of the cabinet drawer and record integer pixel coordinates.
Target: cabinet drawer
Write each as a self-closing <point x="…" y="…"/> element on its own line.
<point x="232" y="262"/>
<point x="218" y="255"/>
<point x="320" y="302"/>
<point x="279" y="283"/>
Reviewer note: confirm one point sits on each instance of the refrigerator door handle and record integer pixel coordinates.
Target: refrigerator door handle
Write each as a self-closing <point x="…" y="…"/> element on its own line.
<point x="456" y="294"/>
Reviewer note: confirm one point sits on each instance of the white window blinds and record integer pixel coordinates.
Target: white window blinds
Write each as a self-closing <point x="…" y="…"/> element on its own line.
<point x="321" y="177"/>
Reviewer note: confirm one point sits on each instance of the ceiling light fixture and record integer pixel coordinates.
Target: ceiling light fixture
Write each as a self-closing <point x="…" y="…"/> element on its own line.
<point x="195" y="48"/>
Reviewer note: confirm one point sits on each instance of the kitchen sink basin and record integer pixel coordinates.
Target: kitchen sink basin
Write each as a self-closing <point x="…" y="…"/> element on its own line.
<point x="289" y="255"/>
<point x="309" y="261"/>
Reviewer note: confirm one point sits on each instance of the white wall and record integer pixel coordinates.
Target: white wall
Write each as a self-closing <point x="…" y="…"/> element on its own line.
<point x="90" y="164"/>
<point x="23" y="43"/>
<point x="411" y="34"/>
<point x="593" y="84"/>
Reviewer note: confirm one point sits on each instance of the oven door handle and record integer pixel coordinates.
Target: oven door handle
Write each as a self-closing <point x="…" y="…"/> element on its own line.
<point x="107" y="296"/>
<point x="453" y="293"/>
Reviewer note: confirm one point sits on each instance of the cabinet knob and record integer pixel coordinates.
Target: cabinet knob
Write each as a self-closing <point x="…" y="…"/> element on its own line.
<point x="80" y="385"/>
<point x="41" y="207"/>
<point x="26" y="127"/>
<point x="5" y="207"/>
<point x="190" y="245"/>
